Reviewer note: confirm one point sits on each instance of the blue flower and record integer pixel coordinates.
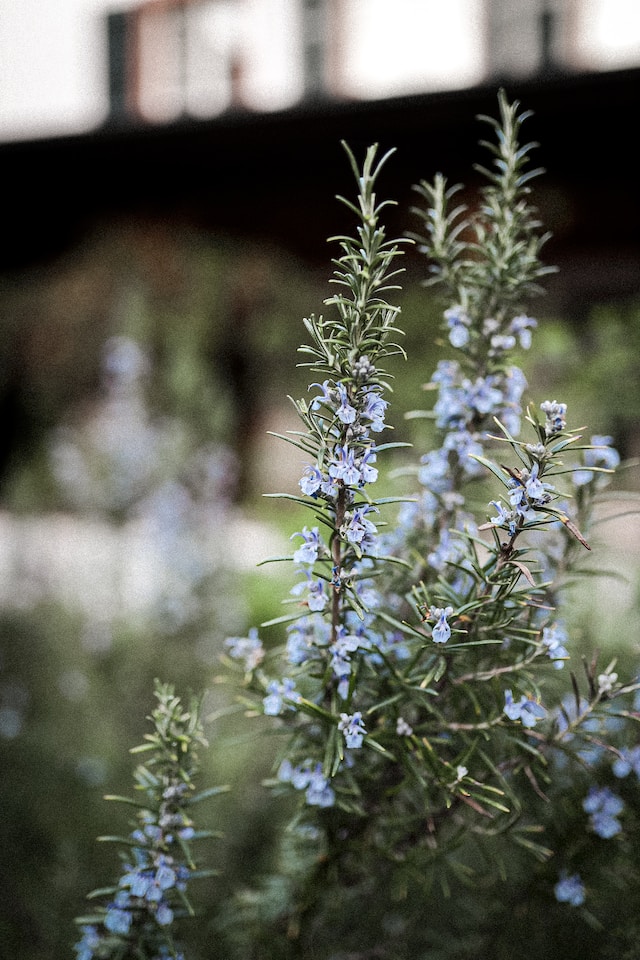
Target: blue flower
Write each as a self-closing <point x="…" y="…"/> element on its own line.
<point x="528" y="711"/>
<point x="449" y="549"/>
<point x="344" y="645"/>
<point x="591" y="751"/>
<point x="164" y="914"/>
<point x="89" y="942"/>
<point x="374" y="409"/>
<point x="277" y="692"/>
<point x="368" y="474"/>
<point x="570" y="889"/>
<point x="535" y="488"/>
<point x="138" y="881"/>
<point x="358" y="528"/>
<point x="165" y="876"/>
<point x="483" y="395"/>
<point x="319" y="792"/>
<point x="403" y="729"/>
<point x="527" y="492"/>
<point x="117" y="920"/>
<point x="604" y="806"/>
<point x="316" y="597"/>
<point x="308" y="551"/>
<point x="467" y="447"/>
<point x="249" y="649"/>
<point x="446" y="372"/>
<point x="345" y="412"/>
<point x="304" y="638"/>
<point x="504" y="518"/>
<point x="441" y="631"/>
<point x="500" y="342"/>
<point x="311" y="481"/>
<point x="627" y="761"/>
<point x="343" y="466"/>
<point x="553" y="638"/>
<point x="451" y="408"/>
<point x="521" y="326"/>
<point x="458" y="323"/>
<point x="602" y="454"/>
<point x="353" y="729"/>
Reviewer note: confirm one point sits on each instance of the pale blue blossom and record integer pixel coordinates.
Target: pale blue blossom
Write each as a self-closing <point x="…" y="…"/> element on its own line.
<point x="554" y="637"/>
<point x="504" y="518"/>
<point x="403" y="729"/>
<point x="374" y="409"/>
<point x="368" y="473"/>
<point x="501" y="342"/>
<point x="604" y="807"/>
<point x="278" y="692"/>
<point x="345" y="412"/>
<point x="341" y="649"/>
<point x="527" y="710"/>
<point x="248" y="648"/>
<point x="570" y="889"/>
<point x="317" y="598"/>
<point x="537" y="488"/>
<point x="458" y="323"/>
<point x="353" y="729"/>
<point x="483" y="394"/>
<point x="305" y="637"/>
<point x="521" y="327"/>
<point x="118" y="920"/>
<point x="88" y="943"/>
<point x="319" y="792"/>
<point x="627" y="761"/>
<point x="343" y="466"/>
<point x="435" y="472"/>
<point x="358" y="528"/>
<point x="308" y="551"/>
<point x="441" y="632"/>
<point x="310" y="778"/>
<point x="164" y="914"/>
<point x="311" y="481"/>
<point x="467" y="446"/>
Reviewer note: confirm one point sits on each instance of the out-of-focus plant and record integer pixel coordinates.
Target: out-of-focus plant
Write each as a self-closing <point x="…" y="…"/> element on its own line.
<point x="432" y="722"/>
<point x="138" y="916"/>
<point x="125" y="464"/>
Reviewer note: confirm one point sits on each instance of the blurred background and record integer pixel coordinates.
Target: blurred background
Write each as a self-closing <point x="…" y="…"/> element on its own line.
<point x="169" y="172"/>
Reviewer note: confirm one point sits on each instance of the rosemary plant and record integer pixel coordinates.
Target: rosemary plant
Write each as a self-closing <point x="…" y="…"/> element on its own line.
<point x="136" y="917"/>
<point x="419" y="685"/>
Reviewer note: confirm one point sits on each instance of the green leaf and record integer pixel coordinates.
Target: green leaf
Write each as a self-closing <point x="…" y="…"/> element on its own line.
<point x="493" y="467"/>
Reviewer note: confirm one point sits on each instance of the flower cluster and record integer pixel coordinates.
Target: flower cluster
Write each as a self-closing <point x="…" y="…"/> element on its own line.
<point x="310" y="778"/>
<point x="527" y="710"/>
<point x="604" y="807"/>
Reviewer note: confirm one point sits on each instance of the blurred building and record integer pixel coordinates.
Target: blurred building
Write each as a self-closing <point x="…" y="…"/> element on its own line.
<point x="169" y="58"/>
<point x="228" y="115"/>
<point x="72" y="65"/>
